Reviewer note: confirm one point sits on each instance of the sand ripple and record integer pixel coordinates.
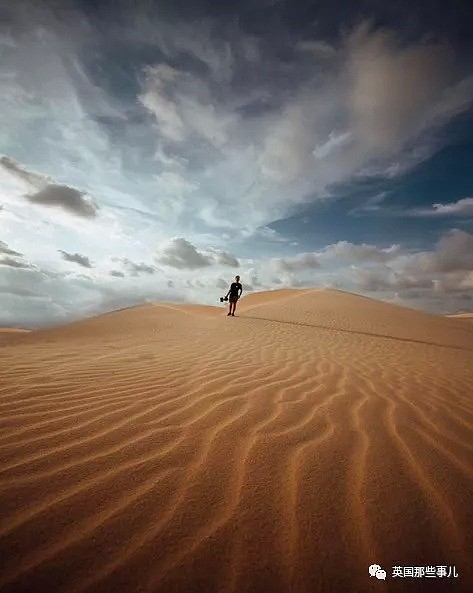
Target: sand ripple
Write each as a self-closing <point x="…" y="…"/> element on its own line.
<point x="170" y="449"/>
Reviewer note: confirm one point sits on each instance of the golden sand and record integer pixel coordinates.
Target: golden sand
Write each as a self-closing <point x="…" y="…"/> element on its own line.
<point x="172" y="449"/>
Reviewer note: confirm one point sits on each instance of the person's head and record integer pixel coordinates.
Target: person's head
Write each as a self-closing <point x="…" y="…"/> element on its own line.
<point x="237" y="278"/>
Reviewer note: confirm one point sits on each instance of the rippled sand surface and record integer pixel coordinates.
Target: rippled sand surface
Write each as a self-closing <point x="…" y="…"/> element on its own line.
<point x="169" y="448"/>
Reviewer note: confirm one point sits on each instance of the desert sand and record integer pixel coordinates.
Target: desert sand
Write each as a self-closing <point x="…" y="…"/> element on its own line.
<point x="169" y="448"/>
<point x="462" y="316"/>
<point x="6" y="333"/>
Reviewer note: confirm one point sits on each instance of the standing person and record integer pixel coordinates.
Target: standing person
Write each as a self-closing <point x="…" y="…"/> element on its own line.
<point x="234" y="293"/>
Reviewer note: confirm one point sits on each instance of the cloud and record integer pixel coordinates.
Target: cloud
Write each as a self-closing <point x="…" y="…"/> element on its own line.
<point x="174" y="183"/>
<point x="226" y="259"/>
<point x="462" y="207"/>
<point x="14" y="263"/>
<point x="17" y="170"/>
<point x="454" y="252"/>
<point x="40" y="297"/>
<point x="301" y="261"/>
<point x="182" y="107"/>
<point x="49" y="193"/>
<point x="333" y="142"/>
<point x="68" y="198"/>
<point x="138" y="268"/>
<point x="21" y="292"/>
<point x="438" y="280"/>
<point x="395" y="87"/>
<point x="77" y="258"/>
<point x="359" y="252"/>
<point x="13" y="259"/>
<point x="372" y="204"/>
<point x="266" y="233"/>
<point x="5" y="250"/>
<point x="204" y="129"/>
<point x="180" y="253"/>
<point x="321" y="49"/>
<point x="245" y="128"/>
<point x="117" y="274"/>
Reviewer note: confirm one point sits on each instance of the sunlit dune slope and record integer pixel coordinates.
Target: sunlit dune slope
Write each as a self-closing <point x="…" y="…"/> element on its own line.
<point x="462" y="316"/>
<point x="170" y="448"/>
<point x="8" y="334"/>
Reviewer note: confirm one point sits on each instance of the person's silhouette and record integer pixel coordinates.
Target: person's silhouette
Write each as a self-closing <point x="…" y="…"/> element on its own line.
<point x="234" y="293"/>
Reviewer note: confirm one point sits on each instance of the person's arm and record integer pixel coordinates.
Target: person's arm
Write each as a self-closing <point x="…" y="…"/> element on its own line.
<point x="241" y="290"/>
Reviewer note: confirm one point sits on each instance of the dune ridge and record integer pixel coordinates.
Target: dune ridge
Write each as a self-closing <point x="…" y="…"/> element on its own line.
<point x="168" y="448"/>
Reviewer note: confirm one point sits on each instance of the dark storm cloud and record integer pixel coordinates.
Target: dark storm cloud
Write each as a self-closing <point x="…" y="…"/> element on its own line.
<point x="76" y="258"/>
<point x="66" y="197"/>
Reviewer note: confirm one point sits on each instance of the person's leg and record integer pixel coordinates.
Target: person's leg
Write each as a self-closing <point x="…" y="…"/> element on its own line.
<point x="234" y="307"/>
<point x="229" y="308"/>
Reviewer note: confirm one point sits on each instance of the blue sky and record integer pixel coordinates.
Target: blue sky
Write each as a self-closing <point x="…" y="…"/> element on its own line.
<point x="152" y="150"/>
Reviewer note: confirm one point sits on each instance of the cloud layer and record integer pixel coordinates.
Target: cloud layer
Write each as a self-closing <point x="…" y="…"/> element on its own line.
<point x="140" y="147"/>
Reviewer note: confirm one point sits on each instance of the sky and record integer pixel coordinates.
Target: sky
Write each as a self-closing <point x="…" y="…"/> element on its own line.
<point x="152" y="150"/>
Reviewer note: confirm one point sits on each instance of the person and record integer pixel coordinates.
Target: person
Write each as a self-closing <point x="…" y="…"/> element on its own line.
<point x="234" y="293"/>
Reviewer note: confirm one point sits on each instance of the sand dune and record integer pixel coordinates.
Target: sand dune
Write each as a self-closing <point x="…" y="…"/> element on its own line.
<point x="8" y="334"/>
<point x="462" y="316"/>
<point x="168" y="448"/>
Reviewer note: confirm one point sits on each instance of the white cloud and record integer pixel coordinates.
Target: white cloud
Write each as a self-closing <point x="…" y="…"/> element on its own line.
<point x="454" y="252"/>
<point x="462" y="207"/>
<point x="333" y="142"/>
<point x="182" y="106"/>
<point x="395" y="88"/>
<point x="240" y="138"/>
<point x="360" y="252"/>
<point x="439" y="280"/>
<point x="174" y="184"/>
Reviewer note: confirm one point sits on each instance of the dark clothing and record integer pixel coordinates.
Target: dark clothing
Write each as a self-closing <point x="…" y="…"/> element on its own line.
<point x="235" y="290"/>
